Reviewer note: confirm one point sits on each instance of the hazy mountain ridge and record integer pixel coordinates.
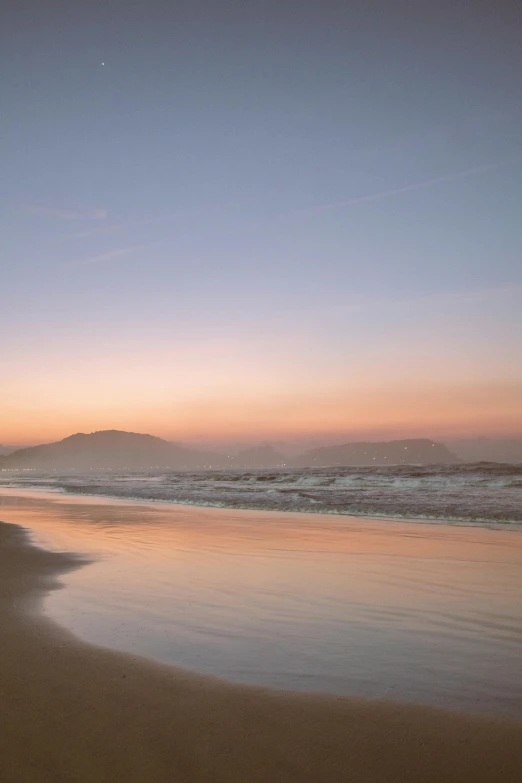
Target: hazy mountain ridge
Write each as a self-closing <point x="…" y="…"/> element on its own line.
<point x="263" y="456"/>
<point x="112" y="449"/>
<point x="415" y="450"/>
<point x="119" y="450"/>
<point x="487" y="449"/>
<point x="5" y="450"/>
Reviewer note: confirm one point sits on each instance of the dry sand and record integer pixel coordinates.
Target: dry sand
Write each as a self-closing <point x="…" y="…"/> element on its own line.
<point x="73" y="712"/>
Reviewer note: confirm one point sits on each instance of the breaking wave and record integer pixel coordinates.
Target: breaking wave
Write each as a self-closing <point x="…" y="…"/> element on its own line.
<point x="478" y="493"/>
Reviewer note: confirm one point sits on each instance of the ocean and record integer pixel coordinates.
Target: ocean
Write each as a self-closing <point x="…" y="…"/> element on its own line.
<point x="478" y="493"/>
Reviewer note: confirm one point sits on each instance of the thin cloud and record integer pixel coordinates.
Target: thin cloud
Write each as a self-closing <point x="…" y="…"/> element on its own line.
<point x="111" y="228"/>
<point x="104" y="257"/>
<point x="68" y="214"/>
<point x="471" y="296"/>
<point x="426" y="183"/>
<point x="481" y="295"/>
<point x="91" y="232"/>
<point x="161" y="217"/>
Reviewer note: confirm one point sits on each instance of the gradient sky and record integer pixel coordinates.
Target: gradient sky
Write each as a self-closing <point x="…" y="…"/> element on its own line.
<point x="235" y="220"/>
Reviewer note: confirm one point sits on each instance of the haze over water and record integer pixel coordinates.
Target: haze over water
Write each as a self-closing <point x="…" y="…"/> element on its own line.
<point x="377" y="609"/>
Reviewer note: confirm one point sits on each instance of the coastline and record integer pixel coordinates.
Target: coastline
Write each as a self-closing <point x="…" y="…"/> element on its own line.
<point x="72" y="711"/>
<point x="467" y="494"/>
<point x="446" y="520"/>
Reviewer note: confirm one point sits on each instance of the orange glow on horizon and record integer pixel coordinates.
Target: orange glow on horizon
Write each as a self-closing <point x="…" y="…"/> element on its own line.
<point x="369" y="414"/>
<point x="263" y="387"/>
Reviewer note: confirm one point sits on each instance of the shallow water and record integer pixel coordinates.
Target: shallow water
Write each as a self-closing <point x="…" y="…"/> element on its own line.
<point x="380" y="609"/>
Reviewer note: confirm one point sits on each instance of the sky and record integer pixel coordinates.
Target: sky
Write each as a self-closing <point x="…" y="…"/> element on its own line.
<point x="260" y="220"/>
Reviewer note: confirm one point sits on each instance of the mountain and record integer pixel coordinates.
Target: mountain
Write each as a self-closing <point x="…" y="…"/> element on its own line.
<point x="115" y="450"/>
<point x="393" y="452"/>
<point x="264" y="456"/>
<point x="488" y="449"/>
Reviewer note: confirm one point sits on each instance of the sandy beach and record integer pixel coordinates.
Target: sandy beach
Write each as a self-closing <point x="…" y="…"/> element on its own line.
<point x="73" y="712"/>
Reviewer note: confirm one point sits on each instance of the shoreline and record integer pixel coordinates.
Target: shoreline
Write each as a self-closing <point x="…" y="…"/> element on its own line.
<point x="72" y="711"/>
<point x="513" y="526"/>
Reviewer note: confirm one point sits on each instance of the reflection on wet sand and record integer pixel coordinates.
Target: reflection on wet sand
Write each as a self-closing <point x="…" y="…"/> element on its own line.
<point x="419" y="612"/>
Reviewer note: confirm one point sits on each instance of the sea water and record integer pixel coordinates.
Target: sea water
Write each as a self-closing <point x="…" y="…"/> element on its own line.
<point x="423" y="613"/>
<point x="478" y="493"/>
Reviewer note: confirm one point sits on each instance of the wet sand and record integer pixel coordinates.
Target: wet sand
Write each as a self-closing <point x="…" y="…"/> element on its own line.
<point x="367" y="608"/>
<point x="73" y="712"/>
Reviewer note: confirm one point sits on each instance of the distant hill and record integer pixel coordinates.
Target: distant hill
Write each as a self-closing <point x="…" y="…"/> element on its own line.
<point x="117" y="450"/>
<point x="112" y="449"/>
<point x="393" y="452"/>
<point x="488" y="449"/>
<point x="264" y="456"/>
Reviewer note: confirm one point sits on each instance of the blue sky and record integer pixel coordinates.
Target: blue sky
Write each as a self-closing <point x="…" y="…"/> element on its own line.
<point x="339" y="182"/>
